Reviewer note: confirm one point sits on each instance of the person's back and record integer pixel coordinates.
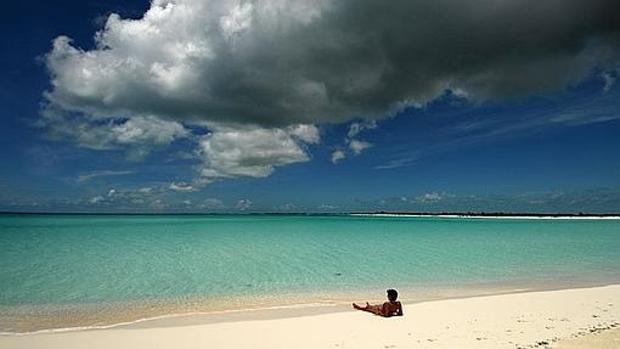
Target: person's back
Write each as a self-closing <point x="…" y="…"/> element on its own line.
<point x="392" y="309"/>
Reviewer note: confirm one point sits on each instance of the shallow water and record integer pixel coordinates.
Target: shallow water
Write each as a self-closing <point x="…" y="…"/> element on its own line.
<point x="53" y="266"/>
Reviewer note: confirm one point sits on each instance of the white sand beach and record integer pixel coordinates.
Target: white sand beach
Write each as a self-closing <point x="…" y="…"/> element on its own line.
<point x="561" y="319"/>
<point x="608" y="339"/>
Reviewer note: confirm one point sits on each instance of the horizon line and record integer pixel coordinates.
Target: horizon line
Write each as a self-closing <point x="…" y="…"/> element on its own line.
<point x="315" y="213"/>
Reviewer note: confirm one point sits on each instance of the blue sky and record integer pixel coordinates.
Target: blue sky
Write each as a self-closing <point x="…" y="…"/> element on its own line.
<point x="161" y="115"/>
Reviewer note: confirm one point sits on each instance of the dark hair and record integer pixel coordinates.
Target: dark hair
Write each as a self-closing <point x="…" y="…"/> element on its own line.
<point x="392" y="294"/>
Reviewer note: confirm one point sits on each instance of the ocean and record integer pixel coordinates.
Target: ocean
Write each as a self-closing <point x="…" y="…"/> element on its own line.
<point x="63" y="271"/>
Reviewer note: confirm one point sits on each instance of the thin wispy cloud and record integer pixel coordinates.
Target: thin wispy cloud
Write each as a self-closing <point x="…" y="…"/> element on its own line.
<point x="462" y="131"/>
<point x="396" y="163"/>
<point x="96" y="174"/>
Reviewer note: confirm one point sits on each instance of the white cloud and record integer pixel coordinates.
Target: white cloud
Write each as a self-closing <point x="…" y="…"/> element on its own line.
<point x="429" y="197"/>
<point x="181" y="186"/>
<point x="158" y="204"/>
<point x="145" y="190"/>
<point x="238" y="20"/>
<point x="433" y="197"/>
<point x="116" y="198"/>
<point x="609" y="79"/>
<point x="306" y="133"/>
<point x="287" y="207"/>
<point x="338" y="155"/>
<point x="243" y="204"/>
<point x="138" y="134"/>
<point x="327" y="207"/>
<point x="186" y="155"/>
<point x="213" y="204"/>
<point x="95" y="200"/>
<point x="356" y="127"/>
<point x="352" y="141"/>
<point x="142" y="130"/>
<point x="253" y="152"/>
<point x="358" y="146"/>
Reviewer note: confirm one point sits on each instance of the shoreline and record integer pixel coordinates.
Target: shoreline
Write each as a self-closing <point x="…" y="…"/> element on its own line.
<point x="466" y="216"/>
<point x="320" y="304"/>
<point x="527" y="319"/>
<point x="215" y="314"/>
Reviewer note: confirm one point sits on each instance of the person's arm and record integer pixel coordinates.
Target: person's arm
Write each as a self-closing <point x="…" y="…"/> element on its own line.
<point x="400" y="309"/>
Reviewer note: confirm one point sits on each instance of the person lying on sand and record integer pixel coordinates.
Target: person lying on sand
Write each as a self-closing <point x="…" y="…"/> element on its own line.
<point x="390" y="308"/>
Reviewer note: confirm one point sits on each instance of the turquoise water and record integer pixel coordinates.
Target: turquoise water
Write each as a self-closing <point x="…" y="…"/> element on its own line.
<point x="80" y="259"/>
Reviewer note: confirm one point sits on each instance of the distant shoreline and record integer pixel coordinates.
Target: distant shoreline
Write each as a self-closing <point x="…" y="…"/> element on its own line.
<point x="491" y="215"/>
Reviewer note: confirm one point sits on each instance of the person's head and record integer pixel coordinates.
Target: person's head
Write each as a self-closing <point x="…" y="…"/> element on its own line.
<point x="392" y="295"/>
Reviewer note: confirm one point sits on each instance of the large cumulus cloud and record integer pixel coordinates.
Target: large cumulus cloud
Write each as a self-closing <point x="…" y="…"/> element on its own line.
<point x="279" y="63"/>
